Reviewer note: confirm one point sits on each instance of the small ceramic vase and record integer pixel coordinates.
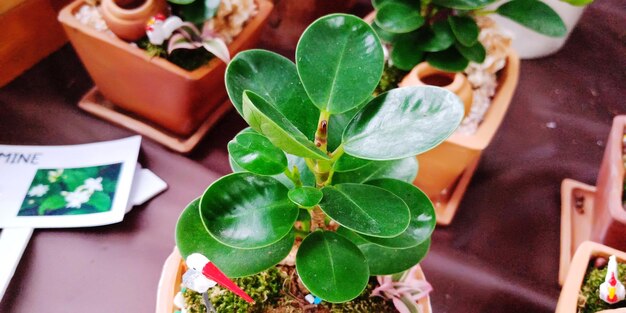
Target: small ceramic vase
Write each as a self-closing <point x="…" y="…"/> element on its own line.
<point x="127" y="18"/>
<point x="424" y="74"/>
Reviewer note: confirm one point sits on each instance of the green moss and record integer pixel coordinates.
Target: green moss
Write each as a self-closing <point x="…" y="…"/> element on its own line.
<point x="184" y="58"/>
<point x="364" y="303"/>
<point x="589" y="298"/>
<point x="390" y="79"/>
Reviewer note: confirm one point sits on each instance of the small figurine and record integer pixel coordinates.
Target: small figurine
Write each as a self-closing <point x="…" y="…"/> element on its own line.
<point x="160" y="28"/>
<point x="203" y="274"/>
<point x="612" y="290"/>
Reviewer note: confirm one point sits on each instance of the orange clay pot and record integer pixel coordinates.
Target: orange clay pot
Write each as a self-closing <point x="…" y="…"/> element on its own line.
<point x="425" y="75"/>
<point x="127" y="18"/>
<point x="595" y="213"/>
<point x="568" y="300"/>
<point x="174" y="268"/>
<point x="153" y="88"/>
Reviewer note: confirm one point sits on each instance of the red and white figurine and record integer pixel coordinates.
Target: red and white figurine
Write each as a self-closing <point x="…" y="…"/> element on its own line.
<point x="612" y="290"/>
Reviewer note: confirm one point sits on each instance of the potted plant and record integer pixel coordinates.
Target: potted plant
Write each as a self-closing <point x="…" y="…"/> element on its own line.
<point x="322" y="178"/>
<point x="173" y="100"/>
<point x="581" y="292"/>
<point x="596" y="212"/>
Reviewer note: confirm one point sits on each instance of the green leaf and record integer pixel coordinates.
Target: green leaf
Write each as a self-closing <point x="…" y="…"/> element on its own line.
<point x="51" y="203"/>
<point x="474" y="53"/>
<point x="405" y="54"/>
<point x="199" y="11"/>
<point x="100" y="201"/>
<point x="535" y="15"/>
<point x="192" y="237"/>
<point x="449" y="60"/>
<point x="366" y="209"/>
<point x="73" y="178"/>
<point x="274" y="78"/>
<point x="338" y="123"/>
<point x="415" y="4"/>
<point x="305" y="196"/>
<point x="578" y="3"/>
<point x="465" y="29"/>
<point x="403" y="122"/>
<point x="257" y="154"/>
<point x="182" y="2"/>
<point x="332" y="267"/>
<point x="247" y="211"/>
<point x="398" y="18"/>
<point x="439" y="38"/>
<point x="423" y="218"/>
<point x="402" y="169"/>
<point x="463" y="4"/>
<point x="387" y="261"/>
<point x="385" y="35"/>
<point x="348" y="163"/>
<point x="340" y="62"/>
<point x="265" y="119"/>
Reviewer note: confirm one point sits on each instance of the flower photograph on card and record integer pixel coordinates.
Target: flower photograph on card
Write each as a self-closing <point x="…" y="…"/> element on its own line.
<point x="71" y="191"/>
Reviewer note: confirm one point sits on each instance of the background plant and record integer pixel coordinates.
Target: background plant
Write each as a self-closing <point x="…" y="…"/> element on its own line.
<point x="322" y="155"/>
<point x="445" y="33"/>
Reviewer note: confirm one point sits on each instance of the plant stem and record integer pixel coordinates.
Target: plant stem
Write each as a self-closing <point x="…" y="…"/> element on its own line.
<point x="321" y="135"/>
<point x="317" y="219"/>
<point x="483" y="12"/>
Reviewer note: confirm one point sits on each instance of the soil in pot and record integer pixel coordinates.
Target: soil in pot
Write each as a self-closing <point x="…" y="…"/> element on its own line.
<point x="588" y="297"/>
<point x="277" y="290"/>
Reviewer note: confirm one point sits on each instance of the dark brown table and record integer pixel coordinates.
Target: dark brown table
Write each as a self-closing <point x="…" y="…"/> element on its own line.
<point x="499" y="255"/>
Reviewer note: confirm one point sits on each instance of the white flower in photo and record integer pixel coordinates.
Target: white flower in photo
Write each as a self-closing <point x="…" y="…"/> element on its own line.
<point x="54" y="175"/>
<point x="76" y="199"/>
<point x="38" y="190"/>
<point x="93" y="184"/>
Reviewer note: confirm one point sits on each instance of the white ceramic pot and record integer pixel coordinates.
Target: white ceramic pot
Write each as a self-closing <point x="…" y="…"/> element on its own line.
<point x="530" y="44"/>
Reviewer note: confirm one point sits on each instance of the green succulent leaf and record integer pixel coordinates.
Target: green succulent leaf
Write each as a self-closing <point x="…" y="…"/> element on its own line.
<point x="439" y="38"/>
<point x="385" y="35"/>
<point x="463" y="4"/>
<point x="348" y="163"/>
<point x="366" y="209"/>
<point x="275" y="79"/>
<point x="267" y="120"/>
<point x="465" y="29"/>
<point x="405" y="54"/>
<point x="423" y="218"/>
<point x="387" y="261"/>
<point x="340" y="61"/>
<point x="414" y="4"/>
<point x="181" y="1"/>
<point x="475" y="53"/>
<point x="198" y="11"/>
<point x="403" y="122"/>
<point x="332" y="267"/>
<point x="237" y="214"/>
<point x="305" y="196"/>
<point x="535" y="15"/>
<point x="403" y="169"/>
<point x="396" y="17"/>
<point x="256" y="154"/>
<point x="450" y="60"/>
<point x="192" y="237"/>
<point x="338" y="123"/>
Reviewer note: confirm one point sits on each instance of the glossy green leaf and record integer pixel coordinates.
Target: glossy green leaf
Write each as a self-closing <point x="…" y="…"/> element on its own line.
<point x="192" y="237"/>
<point x="398" y="18"/>
<point x="199" y="11"/>
<point x="366" y="209"/>
<point x="405" y="54"/>
<point x="449" y="60"/>
<point x="463" y="4"/>
<point x="385" y="35"/>
<point x="265" y="119"/>
<point x="475" y="53"/>
<point x="256" y="154"/>
<point x="387" y="261"/>
<point x="348" y="163"/>
<point x="274" y="78"/>
<point x="181" y="1"/>
<point x="439" y="38"/>
<point x="305" y="196"/>
<point x="340" y="61"/>
<point x="465" y="29"/>
<point x="403" y="122"/>
<point x="338" y="123"/>
<point x="535" y="15"/>
<point x="403" y="169"/>
<point x="423" y="218"/>
<point x="247" y="211"/>
<point x="578" y="3"/>
<point x="415" y="4"/>
<point x="332" y="267"/>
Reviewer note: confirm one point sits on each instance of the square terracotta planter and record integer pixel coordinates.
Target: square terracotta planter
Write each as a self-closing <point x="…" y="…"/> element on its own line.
<point x="153" y="88"/>
<point x="568" y="300"/>
<point x="595" y="212"/>
<point x="171" y="278"/>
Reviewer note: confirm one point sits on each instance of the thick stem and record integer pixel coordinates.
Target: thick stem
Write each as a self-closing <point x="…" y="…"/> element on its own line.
<point x="321" y="135"/>
<point x="317" y="219"/>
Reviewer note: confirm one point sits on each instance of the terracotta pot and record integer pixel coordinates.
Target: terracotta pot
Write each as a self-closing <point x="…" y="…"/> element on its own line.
<point x="127" y="18"/>
<point x="423" y="74"/>
<point x="568" y="300"/>
<point x="153" y="88"/>
<point x="171" y="278"/>
<point x="596" y="213"/>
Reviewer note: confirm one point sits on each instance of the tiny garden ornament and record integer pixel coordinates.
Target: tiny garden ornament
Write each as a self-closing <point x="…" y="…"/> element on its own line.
<point x="612" y="290"/>
<point x="160" y="28"/>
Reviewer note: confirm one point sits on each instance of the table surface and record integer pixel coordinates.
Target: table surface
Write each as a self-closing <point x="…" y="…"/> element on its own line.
<point x="500" y="254"/>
